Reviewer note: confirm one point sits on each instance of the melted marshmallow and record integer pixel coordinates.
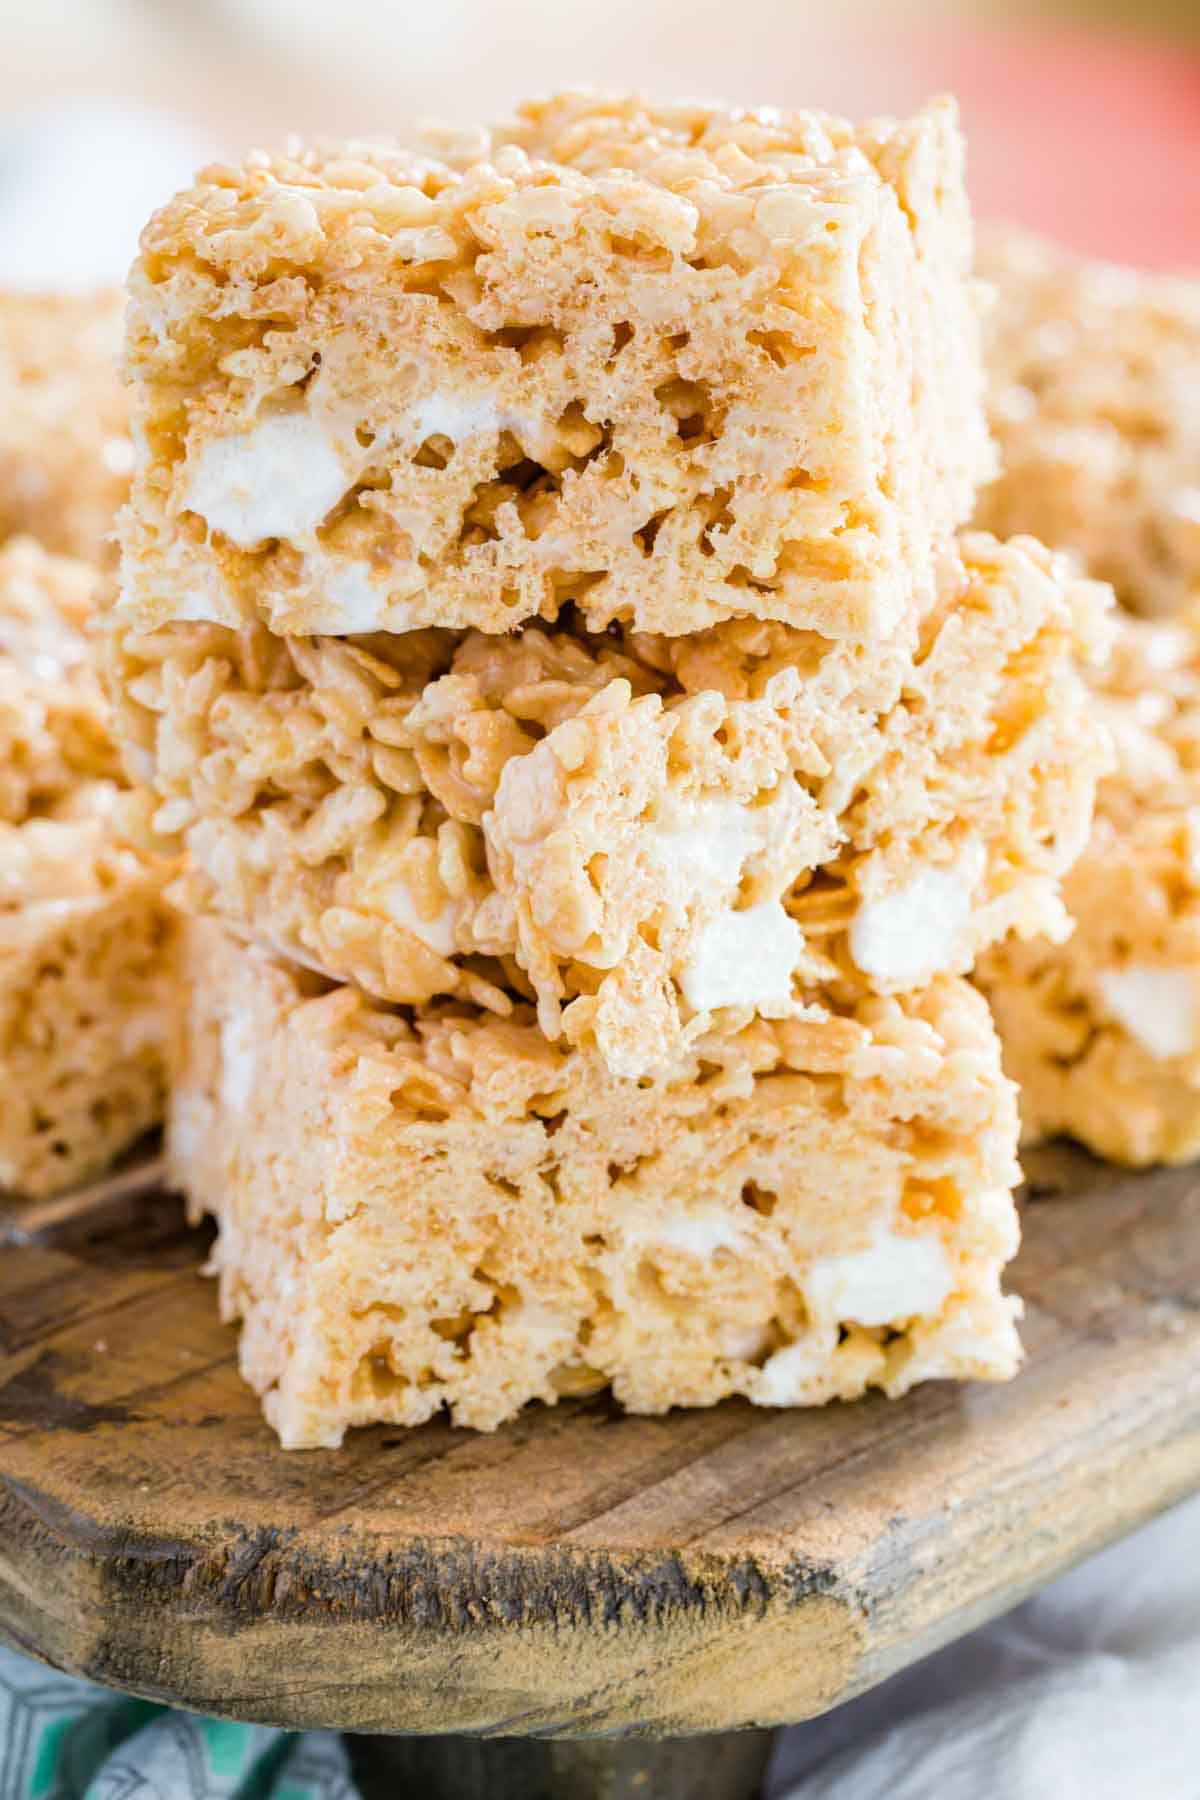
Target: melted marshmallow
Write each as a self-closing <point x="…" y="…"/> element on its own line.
<point x="744" y="1342"/>
<point x="1156" y="1006"/>
<point x="342" y="597"/>
<point x="899" y="1276"/>
<point x="740" y="958"/>
<point x="1167" y="647"/>
<point x="700" y="1233"/>
<point x="239" y="1060"/>
<point x="538" y="1324"/>
<point x="438" y="933"/>
<point x="454" y="416"/>
<point x="705" y="849"/>
<point x="207" y="602"/>
<point x="908" y="936"/>
<point x="279" y="479"/>
<point x="785" y="1379"/>
<point x="743" y="959"/>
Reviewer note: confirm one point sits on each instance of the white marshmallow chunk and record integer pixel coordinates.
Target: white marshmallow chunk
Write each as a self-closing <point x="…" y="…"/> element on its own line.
<point x="899" y="1276"/>
<point x="744" y="959"/>
<point x="438" y="933"/>
<point x="281" y="478"/>
<point x="239" y="1058"/>
<point x="909" y="936"/>
<point x="1156" y="1006"/>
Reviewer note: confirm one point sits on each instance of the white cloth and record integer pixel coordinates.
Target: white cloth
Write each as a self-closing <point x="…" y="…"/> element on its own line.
<point x="1090" y="1691"/>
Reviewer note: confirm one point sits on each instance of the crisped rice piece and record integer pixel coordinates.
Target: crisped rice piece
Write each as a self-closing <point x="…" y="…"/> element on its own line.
<point x="1102" y="1032"/>
<point x="55" y="733"/>
<point x="674" y="364"/>
<point x="652" y="837"/>
<point x="85" y="935"/>
<point x="447" y="1211"/>
<point x="1094" y="399"/>
<point x="65" y="454"/>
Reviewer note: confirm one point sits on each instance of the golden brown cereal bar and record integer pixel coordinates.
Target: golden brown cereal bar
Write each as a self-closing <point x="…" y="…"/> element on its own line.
<point x="442" y="1209"/>
<point x="1094" y="397"/>
<point x="65" y="454"/>
<point x="1102" y="1032"/>
<point x="671" y="364"/>
<point x="651" y="837"/>
<point x="85" y="935"/>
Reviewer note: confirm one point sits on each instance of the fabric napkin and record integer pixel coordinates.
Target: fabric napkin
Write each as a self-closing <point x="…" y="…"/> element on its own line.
<point x="63" y="1739"/>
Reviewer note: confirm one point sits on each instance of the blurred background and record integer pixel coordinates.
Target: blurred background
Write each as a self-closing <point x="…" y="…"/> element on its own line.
<point x="1083" y="119"/>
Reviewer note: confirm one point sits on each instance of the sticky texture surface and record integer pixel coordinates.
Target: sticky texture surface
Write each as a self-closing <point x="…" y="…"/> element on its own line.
<point x="445" y="1210"/>
<point x="1100" y="1031"/>
<point x="667" y="365"/>
<point x="85" y="936"/>
<point x="651" y="837"/>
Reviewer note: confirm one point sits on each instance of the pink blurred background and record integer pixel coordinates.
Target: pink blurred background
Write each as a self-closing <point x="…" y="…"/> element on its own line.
<point x="1081" y="122"/>
<point x="1090" y="135"/>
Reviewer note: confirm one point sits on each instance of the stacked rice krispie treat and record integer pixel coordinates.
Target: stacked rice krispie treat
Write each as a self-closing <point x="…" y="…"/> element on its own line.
<point x="600" y="758"/>
<point x="1102" y="1032"/>
<point x="65" y="454"/>
<point x="444" y="1208"/>
<point x="1094" y="385"/>
<point x="638" y="834"/>
<point x="84" y="932"/>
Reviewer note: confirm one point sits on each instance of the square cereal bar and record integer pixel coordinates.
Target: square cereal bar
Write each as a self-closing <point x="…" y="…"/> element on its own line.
<point x="672" y="364"/>
<point x="84" y="934"/>
<point x="65" y="454"/>
<point x="1102" y="1032"/>
<point x="1094" y="398"/>
<point x="445" y="1210"/>
<point x="651" y="837"/>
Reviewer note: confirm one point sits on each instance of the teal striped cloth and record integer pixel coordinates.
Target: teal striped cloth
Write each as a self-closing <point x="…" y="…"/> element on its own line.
<point x="63" y="1739"/>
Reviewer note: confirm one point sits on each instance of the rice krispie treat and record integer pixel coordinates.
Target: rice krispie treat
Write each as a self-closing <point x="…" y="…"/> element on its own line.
<point x="672" y="364"/>
<point x="84" y="932"/>
<point x="445" y="1210"/>
<point x="1094" y="379"/>
<point x="652" y="837"/>
<point x="65" y="454"/>
<point x="1102" y="1032"/>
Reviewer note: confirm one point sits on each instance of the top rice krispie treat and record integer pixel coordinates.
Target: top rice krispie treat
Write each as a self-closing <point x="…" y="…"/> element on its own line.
<point x="65" y="454"/>
<point x="1094" y="398"/>
<point x="674" y="364"/>
<point x="646" y="834"/>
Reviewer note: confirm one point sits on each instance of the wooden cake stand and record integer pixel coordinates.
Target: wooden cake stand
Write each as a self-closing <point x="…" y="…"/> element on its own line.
<point x="559" y="1609"/>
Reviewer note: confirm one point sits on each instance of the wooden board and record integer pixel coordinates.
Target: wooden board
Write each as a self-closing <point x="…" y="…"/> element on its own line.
<point x="579" y="1572"/>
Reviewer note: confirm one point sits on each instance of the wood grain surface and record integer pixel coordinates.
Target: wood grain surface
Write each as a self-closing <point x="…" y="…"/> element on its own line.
<point x="578" y="1572"/>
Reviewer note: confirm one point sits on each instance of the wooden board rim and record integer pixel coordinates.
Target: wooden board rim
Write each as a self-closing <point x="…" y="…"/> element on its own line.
<point x="704" y="1572"/>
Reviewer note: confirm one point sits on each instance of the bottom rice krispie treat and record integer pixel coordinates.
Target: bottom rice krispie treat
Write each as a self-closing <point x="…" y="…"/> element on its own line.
<point x="439" y="1208"/>
<point x="1102" y="1032"/>
<point x="85" y="936"/>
